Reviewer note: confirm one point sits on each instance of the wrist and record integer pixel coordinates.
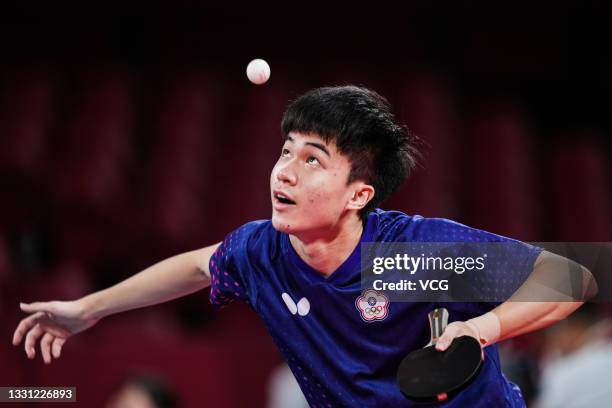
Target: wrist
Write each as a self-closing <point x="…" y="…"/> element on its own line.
<point x="487" y="327"/>
<point x="90" y="307"/>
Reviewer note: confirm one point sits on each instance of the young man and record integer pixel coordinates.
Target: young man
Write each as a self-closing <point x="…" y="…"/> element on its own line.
<point x="343" y="154"/>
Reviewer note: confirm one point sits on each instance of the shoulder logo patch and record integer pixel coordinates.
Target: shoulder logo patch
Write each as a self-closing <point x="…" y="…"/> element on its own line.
<point x="372" y="305"/>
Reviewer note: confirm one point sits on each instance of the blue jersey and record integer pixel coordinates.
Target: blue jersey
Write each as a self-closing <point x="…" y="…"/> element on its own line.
<point x="339" y="356"/>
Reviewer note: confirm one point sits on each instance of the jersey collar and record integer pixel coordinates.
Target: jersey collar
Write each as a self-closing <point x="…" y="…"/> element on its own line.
<point x="347" y="271"/>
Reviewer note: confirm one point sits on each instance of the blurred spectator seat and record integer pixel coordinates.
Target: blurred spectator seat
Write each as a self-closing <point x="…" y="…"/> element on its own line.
<point x="182" y="182"/>
<point x="580" y="192"/>
<point x="425" y="104"/>
<point x="26" y="113"/>
<point x="90" y="162"/>
<point x="501" y="177"/>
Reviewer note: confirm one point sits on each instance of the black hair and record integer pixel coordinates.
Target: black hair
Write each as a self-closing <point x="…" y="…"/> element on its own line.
<point x="360" y="123"/>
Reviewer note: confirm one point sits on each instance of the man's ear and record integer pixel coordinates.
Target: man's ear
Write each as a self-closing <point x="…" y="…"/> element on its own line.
<point x="362" y="194"/>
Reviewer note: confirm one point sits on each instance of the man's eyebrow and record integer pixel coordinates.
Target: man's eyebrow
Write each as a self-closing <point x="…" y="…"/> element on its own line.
<point x="313" y="144"/>
<point x="320" y="147"/>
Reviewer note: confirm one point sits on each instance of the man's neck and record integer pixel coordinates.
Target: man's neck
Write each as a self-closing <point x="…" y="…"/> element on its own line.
<point x="327" y="251"/>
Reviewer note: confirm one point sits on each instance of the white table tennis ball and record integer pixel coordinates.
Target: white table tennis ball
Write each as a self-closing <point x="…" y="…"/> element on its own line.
<point x="258" y="71"/>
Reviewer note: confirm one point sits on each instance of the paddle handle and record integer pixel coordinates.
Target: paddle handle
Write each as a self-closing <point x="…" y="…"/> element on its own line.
<point x="438" y="320"/>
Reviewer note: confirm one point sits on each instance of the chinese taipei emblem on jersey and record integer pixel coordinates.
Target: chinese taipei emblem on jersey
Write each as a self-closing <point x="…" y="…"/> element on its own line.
<point x="372" y="305"/>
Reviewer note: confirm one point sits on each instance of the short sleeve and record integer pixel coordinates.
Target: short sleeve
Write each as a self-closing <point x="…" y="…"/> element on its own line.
<point x="227" y="279"/>
<point x="509" y="263"/>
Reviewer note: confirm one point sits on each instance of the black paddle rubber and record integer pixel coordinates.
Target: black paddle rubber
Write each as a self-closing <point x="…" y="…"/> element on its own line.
<point x="429" y="375"/>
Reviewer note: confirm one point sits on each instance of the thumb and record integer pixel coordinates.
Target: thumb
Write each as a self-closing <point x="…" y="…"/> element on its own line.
<point x="37" y="307"/>
<point x="446" y="339"/>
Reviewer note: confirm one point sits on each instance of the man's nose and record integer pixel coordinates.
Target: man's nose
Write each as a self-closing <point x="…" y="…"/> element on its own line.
<point x="286" y="174"/>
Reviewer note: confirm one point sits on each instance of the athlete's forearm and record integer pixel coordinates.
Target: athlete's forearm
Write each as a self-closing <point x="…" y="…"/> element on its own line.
<point x="518" y="318"/>
<point x="512" y="319"/>
<point x="171" y="278"/>
<point x="527" y="310"/>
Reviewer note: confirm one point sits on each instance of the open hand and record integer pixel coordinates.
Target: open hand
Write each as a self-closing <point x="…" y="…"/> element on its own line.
<point x="53" y="323"/>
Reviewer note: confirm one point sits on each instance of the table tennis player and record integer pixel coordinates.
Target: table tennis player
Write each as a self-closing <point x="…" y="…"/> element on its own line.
<point x="343" y="154"/>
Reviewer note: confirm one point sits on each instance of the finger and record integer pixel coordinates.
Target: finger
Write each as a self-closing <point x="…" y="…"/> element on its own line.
<point x="54" y="329"/>
<point x="56" y="349"/>
<point x="31" y="339"/>
<point x="45" y="347"/>
<point x="24" y="326"/>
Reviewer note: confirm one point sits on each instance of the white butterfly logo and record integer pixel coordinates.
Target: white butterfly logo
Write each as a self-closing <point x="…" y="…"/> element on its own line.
<point x="302" y="308"/>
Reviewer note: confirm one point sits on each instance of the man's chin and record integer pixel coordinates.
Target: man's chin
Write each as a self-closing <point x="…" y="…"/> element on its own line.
<point x="282" y="225"/>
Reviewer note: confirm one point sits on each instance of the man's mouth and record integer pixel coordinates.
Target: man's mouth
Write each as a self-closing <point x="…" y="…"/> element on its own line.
<point x="282" y="198"/>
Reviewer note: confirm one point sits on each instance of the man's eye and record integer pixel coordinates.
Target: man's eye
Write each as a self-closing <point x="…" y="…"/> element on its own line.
<point x="312" y="160"/>
<point x="285" y="152"/>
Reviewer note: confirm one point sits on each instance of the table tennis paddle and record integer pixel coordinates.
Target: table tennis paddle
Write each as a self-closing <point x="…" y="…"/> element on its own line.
<point x="429" y="375"/>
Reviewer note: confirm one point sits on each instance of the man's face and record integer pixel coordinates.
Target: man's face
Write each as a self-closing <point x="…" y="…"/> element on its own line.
<point x="308" y="185"/>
